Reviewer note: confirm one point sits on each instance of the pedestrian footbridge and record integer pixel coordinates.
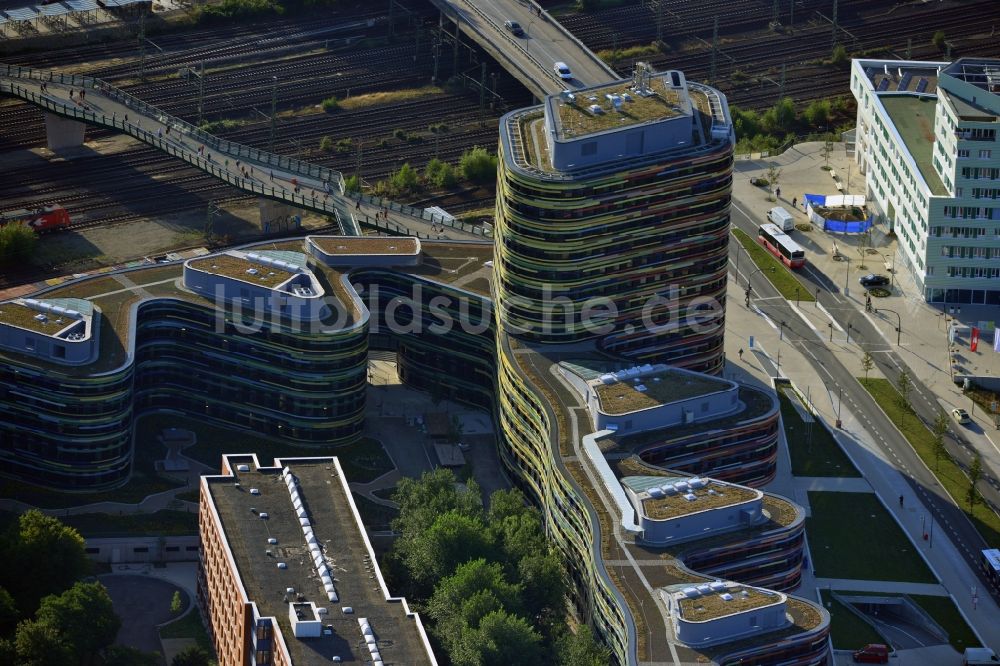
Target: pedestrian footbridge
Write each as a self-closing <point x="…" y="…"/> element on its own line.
<point x="282" y="183"/>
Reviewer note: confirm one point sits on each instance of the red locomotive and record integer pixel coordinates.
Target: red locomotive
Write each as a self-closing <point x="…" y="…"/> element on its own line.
<point x="42" y="220"/>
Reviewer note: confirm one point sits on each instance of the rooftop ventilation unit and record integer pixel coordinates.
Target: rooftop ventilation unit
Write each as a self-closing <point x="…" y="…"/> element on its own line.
<point x="263" y="515"/>
<point x="252" y="271"/>
<point x="726" y="596"/>
<point x="641" y="388"/>
<point x="282" y="565"/>
<point x="347" y="610"/>
<point x="691" y="592"/>
<point x="669" y="489"/>
<point x="690" y="497"/>
<point x="681" y="486"/>
<point x="255" y="491"/>
<point x="272" y="541"/>
<point x="608" y="378"/>
<point x="717" y="586"/>
<point x="243" y="468"/>
<point x="655" y="493"/>
<point x="595" y="109"/>
<point x="697" y="483"/>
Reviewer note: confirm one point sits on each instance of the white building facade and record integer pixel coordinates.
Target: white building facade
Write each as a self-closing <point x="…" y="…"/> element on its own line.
<point x="927" y="146"/>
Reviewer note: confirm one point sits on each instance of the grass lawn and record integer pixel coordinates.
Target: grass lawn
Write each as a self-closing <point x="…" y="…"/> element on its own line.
<point x="851" y="535"/>
<point x="948" y="473"/>
<point x="165" y="523"/>
<point x="189" y="626"/>
<point x="362" y="461"/>
<point x="848" y="631"/>
<point x="784" y="281"/>
<point x="813" y="449"/>
<point x="945" y="613"/>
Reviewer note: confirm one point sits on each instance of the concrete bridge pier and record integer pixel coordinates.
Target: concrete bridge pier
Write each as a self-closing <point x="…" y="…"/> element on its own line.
<point x="62" y="133"/>
<point x="278" y="215"/>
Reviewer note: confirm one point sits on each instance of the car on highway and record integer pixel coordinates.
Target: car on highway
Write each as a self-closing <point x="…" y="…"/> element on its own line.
<point x="873" y="280"/>
<point x="562" y="71"/>
<point x="960" y="415"/>
<point x="514" y="28"/>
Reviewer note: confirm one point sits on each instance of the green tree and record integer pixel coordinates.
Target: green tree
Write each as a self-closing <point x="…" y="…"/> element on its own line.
<point x="192" y="656"/>
<point x="839" y="56"/>
<point x="975" y="473"/>
<point x="817" y="114"/>
<point x="326" y="144"/>
<point x="939" y="429"/>
<point x="440" y="174"/>
<point x="422" y="500"/>
<point x="501" y="639"/>
<point x="470" y="579"/>
<point x="352" y="184"/>
<point x="773" y="176"/>
<point x="405" y="180"/>
<point x="8" y="613"/>
<point x="938" y="40"/>
<point x="867" y="363"/>
<point x="746" y="122"/>
<point x="478" y="166"/>
<point x="16" y="242"/>
<point x="84" y="616"/>
<point x="176" y="602"/>
<point x="780" y="118"/>
<point x="42" y="556"/>
<point x="8" y="651"/>
<point x="544" y="579"/>
<point x="451" y="540"/>
<point x="40" y="644"/>
<point x="905" y="386"/>
<point x="581" y="649"/>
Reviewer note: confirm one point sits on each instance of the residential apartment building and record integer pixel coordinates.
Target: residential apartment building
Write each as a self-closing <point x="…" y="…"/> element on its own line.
<point x="927" y="146"/>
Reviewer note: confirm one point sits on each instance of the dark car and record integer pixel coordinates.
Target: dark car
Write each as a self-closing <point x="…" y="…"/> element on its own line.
<point x="514" y="28"/>
<point x="873" y="653"/>
<point x="873" y="280"/>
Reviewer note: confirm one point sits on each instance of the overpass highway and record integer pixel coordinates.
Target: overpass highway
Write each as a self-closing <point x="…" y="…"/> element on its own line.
<point x="530" y="57"/>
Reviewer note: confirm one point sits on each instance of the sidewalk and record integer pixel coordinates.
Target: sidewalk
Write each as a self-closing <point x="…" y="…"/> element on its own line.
<point x="882" y="475"/>
<point x="924" y="344"/>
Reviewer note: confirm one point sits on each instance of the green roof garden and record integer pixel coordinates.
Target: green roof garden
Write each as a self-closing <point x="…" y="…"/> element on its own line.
<point x="913" y="118"/>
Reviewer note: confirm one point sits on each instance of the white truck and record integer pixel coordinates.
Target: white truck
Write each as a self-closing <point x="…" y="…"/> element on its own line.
<point x="782" y="218"/>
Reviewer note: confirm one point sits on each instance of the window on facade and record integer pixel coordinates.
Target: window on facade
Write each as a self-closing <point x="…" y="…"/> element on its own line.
<point x="59" y="351"/>
<point x="963" y="152"/>
<point x="985" y="154"/>
<point x="589" y="148"/>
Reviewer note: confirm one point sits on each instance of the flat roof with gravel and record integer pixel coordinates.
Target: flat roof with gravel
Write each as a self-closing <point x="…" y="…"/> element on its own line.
<point x="337" y="528"/>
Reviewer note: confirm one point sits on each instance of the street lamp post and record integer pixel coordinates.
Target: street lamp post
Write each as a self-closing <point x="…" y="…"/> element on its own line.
<point x="892" y="269"/>
<point x="848" y="334"/>
<point x="899" y="323"/>
<point x="781" y="331"/>
<point x="847" y="276"/>
<point x="796" y="296"/>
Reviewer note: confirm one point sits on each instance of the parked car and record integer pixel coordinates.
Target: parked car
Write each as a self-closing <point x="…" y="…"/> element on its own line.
<point x="873" y="653"/>
<point x="960" y="415"/>
<point x="873" y="280"/>
<point x="562" y="71"/>
<point x="782" y="218"/>
<point x="514" y="28"/>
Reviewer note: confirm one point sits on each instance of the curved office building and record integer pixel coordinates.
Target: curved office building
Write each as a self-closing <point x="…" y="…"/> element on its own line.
<point x="592" y="331"/>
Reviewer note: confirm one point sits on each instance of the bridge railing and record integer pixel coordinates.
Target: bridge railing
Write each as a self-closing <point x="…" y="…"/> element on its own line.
<point x="181" y="130"/>
<point x="233" y="149"/>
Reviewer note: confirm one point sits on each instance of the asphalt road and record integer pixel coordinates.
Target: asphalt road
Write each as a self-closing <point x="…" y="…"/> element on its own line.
<point x="838" y="379"/>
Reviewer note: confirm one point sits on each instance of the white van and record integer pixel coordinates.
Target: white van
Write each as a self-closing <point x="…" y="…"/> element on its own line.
<point x="782" y="218"/>
<point x="977" y="656"/>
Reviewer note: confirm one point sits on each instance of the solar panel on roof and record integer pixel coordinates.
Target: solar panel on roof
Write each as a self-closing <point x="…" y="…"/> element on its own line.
<point x="922" y="85"/>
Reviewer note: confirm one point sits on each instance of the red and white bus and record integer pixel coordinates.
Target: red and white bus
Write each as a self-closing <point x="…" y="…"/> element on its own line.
<point x="781" y="245"/>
